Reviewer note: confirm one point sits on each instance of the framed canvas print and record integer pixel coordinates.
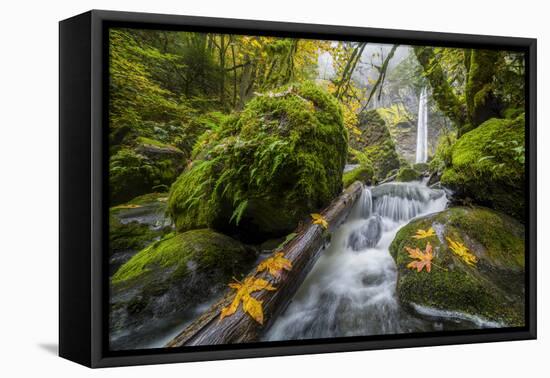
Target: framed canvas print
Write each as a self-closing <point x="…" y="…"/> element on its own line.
<point x="234" y="188"/>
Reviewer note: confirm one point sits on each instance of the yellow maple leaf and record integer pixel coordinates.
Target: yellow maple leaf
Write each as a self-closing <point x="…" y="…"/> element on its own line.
<point x="251" y="305"/>
<point x="422" y="234"/>
<point x="275" y="264"/>
<point x="319" y="219"/>
<point x="462" y="251"/>
<point x="422" y="259"/>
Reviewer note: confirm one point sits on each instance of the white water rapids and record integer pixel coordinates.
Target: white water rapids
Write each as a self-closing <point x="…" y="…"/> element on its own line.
<point x="351" y="289"/>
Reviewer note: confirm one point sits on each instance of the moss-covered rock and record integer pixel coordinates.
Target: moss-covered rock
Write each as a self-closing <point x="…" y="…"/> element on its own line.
<point x="173" y="275"/>
<point x="363" y="173"/>
<point x="492" y="289"/>
<point x="488" y="166"/>
<point x="421" y="167"/>
<point x="135" y="224"/>
<point x="144" y="167"/>
<point x="266" y="168"/>
<point x="406" y="174"/>
<point x="129" y="236"/>
<point x="379" y="147"/>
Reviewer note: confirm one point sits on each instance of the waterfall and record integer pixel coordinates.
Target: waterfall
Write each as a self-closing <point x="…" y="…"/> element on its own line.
<point x="351" y="289"/>
<point x="365" y="203"/>
<point x="422" y="129"/>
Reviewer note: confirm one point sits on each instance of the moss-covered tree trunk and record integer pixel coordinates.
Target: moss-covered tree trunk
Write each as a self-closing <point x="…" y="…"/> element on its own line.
<point x="481" y="102"/>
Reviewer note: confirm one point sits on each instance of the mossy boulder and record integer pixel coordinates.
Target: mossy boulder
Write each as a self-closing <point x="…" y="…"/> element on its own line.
<point x="146" y="166"/>
<point x="173" y="275"/>
<point x="363" y="173"/>
<point x="266" y="168"/>
<point x="492" y="289"/>
<point x="406" y="174"/>
<point x="488" y="166"/>
<point x="379" y="147"/>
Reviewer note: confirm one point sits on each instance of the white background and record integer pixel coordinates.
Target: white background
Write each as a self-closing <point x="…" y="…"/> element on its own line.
<point x="29" y="187"/>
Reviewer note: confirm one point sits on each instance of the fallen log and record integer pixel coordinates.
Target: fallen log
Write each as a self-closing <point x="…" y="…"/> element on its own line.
<point x="302" y="251"/>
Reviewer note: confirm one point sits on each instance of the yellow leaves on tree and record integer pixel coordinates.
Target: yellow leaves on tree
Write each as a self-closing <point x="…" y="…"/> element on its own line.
<point x="319" y="219"/>
<point x="251" y="305"/>
<point x="422" y="234"/>
<point x="422" y="259"/>
<point x="275" y="264"/>
<point x="462" y="251"/>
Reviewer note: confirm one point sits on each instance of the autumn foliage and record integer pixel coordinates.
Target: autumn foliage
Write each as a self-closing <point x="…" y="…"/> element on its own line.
<point x="421" y="259"/>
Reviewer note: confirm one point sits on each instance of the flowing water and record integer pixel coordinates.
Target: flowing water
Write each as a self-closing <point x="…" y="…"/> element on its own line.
<point x="351" y="289"/>
<point x="422" y="128"/>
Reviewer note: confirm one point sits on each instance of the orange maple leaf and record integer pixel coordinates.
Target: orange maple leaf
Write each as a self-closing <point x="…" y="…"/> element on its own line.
<point x="422" y="259"/>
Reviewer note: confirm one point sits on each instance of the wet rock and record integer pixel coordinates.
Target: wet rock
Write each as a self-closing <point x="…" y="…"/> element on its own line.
<point x="368" y="235"/>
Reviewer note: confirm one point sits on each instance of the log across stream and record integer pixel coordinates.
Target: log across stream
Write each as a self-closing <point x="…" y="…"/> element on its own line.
<point x="302" y="252"/>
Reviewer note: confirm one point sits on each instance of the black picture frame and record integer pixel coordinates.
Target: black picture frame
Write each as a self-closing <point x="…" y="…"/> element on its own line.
<point x="83" y="206"/>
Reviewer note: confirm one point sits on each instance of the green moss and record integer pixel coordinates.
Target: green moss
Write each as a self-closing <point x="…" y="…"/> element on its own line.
<point x="493" y="288"/>
<point x="133" y="172"/>
<point x="146" y="199"/>
<point x="488" y="166"/>
<point x="443" y="153"/>
<point x="421" y="167"/>
<point x="155" y="143"/>
<point x="176" y="254"/>
<point x="129" y="236"/>
<point x="133" y="235"/>
<point x="379" y="146"/>
<point x="479" y="88"/>
<point x="406" y="174"/>
<point x="362" y="173"/>
<point x="266" y="168"/>
<point x="512" y="112"/>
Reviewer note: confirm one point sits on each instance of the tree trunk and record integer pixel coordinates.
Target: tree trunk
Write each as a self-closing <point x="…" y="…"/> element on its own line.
<point x="222" y="70"/>
<point x="302" y="251"/>
<point x="232" y="42"/>
<point x="481" y="101"/>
